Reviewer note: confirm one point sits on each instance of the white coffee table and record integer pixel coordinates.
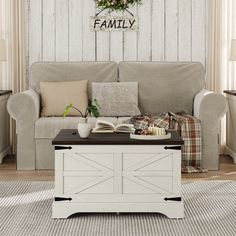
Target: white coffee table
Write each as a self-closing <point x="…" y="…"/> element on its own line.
<point x="113" y="173"/>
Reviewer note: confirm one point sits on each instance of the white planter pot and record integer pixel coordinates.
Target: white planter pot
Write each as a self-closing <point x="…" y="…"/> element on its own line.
<point x="83" y="120"/>
<point x="84" y="128"/>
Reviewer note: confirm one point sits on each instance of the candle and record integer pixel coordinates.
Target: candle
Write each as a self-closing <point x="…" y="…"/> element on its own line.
<point x="156" y="131"/>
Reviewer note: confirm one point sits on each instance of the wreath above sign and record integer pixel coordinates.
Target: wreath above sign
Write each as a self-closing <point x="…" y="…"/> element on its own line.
<point x="117" y="5"/>
<point x="110" y="22"/>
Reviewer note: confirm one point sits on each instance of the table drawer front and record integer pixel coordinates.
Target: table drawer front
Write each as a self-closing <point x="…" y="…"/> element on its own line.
<point x="148" y="173"/>
<point x="81" y="173"/>
<point x="88" y="162"/>
<point x="88" y="185"/>
<point x="85" y="173"/>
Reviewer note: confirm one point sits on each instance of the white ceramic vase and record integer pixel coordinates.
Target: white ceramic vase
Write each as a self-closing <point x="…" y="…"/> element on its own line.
<point x="84" y="128"/>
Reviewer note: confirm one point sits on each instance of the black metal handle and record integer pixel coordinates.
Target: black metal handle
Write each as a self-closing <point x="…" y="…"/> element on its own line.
<point x="61" y="199"/>
<point x="173" y="148"/>
<point x="62" y="148"/>
<point x="175" y="199"/>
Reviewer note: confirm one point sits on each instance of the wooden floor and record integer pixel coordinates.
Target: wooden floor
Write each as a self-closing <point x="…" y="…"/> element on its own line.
<point x="8" y="171"/>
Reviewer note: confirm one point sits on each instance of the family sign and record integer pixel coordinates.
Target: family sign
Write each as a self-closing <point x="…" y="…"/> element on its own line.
<point x="109" y="23"/>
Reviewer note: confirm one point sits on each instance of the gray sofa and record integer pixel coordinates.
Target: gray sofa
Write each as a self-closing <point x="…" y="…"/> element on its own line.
<point x="162" y="87"/>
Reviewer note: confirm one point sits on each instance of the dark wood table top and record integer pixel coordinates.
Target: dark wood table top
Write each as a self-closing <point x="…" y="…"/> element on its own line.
<point x="4" y="92"/>
<point x="71" y="137"/>
<point x="231" y="92"/>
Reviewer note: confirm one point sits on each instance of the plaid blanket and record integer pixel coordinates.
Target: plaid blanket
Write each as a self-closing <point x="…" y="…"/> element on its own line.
<point x="189" y="129"/>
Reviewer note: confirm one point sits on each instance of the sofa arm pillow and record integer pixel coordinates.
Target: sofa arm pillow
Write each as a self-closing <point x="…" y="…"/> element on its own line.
<point x="116" y="99"/>
<point x="57" y="95"/>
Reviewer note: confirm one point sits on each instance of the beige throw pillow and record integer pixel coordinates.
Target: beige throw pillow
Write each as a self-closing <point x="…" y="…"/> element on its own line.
<point x="57" y="95"/>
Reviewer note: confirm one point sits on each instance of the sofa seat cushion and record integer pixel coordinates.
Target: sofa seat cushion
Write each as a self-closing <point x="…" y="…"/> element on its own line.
<point x="49" y="127"/>
<point x="121" y="120"/>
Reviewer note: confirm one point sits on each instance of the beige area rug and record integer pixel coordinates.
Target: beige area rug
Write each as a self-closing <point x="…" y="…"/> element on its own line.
<point x="210" y="209"/>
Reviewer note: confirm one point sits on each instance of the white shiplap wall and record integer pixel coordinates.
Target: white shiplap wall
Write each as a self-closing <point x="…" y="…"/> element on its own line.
<point x="170" y="30"/>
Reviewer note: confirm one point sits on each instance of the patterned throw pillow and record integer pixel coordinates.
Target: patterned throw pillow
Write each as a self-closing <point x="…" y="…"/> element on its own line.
<point x="117" y="99"/>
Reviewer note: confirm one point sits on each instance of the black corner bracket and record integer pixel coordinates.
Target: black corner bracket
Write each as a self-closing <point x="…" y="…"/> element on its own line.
<point x="173" y="148"/>
<point x="62" y="148"/>
<point x="61" y="199"/>
<point x="175" y="199"/>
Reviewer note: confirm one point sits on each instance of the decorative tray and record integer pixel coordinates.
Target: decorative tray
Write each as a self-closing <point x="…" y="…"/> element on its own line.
<point x="150" y="137"/>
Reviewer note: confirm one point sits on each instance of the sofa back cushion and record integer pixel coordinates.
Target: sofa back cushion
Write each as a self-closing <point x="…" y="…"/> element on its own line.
<point x="72" y="71"/>
<point x="164" y="86"/>
<point x="56" y="96"/>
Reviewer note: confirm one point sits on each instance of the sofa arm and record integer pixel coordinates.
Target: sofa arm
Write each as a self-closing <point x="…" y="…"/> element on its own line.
<point x="210" y="107"/>
<point x="24" y="108"/>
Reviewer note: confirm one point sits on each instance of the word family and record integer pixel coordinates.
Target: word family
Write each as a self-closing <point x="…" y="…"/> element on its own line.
<point x="114" y="24"/>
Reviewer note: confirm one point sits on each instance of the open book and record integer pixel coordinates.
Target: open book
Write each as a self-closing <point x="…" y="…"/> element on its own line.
<point x="103" y="126"/>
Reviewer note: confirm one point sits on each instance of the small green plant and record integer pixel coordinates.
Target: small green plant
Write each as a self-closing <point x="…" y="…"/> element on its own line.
<point x="117" y="5"/>
<point x="92" y="109"/>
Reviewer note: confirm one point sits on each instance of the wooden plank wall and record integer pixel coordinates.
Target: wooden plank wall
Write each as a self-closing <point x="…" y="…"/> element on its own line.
<point x="170" y="30"/>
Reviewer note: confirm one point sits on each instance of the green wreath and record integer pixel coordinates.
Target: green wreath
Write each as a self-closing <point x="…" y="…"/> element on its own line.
<point x="117" y="5"/>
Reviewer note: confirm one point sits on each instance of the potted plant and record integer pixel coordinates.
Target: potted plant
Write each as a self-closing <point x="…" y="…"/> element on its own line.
<point x="83" y="127"/>
<point x="117" y="5"/>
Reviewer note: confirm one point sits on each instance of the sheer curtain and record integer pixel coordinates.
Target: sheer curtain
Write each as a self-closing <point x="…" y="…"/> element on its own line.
<point x="13" y="31"/>
<point x="221" y="71"/>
